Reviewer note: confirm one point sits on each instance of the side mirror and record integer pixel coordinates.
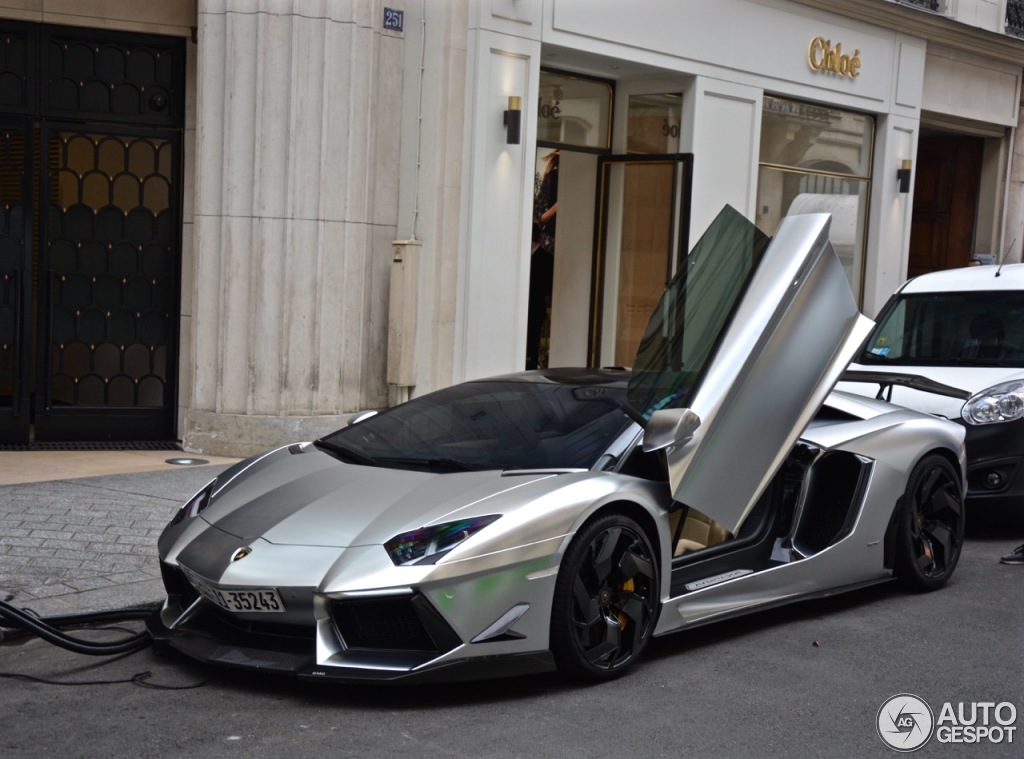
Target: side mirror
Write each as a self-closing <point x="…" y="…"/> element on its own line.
<point x="670" y="426"/>
<point x="359" y="416"/>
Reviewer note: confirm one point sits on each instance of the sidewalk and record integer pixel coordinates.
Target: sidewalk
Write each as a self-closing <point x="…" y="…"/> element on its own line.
<point x="78" y="530"/>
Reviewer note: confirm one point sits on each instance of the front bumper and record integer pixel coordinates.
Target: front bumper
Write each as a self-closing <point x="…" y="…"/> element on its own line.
<point x="995" y="465"/>
<point x="252" y="651"/>
<point x="394" y="638"/>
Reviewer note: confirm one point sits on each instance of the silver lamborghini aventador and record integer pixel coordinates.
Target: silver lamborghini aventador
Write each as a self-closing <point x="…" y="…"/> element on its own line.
<point x="560" y="518"/>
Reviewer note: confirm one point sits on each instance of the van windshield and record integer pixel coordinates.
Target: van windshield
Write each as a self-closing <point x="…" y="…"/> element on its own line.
<point x="957" y="328"/>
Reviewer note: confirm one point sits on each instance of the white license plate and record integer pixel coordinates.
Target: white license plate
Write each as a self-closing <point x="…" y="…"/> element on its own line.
<point x="239" y="600"/>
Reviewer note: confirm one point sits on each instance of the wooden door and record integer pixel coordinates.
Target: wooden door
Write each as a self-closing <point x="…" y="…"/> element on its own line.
<point x="945" y="202"/>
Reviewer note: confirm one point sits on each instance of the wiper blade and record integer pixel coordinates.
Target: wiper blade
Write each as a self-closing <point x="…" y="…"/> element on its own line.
<point x="445" y="463"/>
<point x="344" y="452"/>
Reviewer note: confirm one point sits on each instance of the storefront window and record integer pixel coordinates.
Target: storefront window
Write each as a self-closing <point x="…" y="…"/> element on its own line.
<point x="814" y="159"/>
<point x="653" y="123"/>
<point x="574" y="111"/>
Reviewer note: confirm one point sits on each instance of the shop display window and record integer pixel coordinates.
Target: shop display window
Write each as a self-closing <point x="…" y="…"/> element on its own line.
<point x="817" y="158"/>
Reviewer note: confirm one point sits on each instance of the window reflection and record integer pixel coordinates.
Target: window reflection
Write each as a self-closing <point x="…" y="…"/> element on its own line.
<point x="815" y="159"/>
<point x="574" y="110"/>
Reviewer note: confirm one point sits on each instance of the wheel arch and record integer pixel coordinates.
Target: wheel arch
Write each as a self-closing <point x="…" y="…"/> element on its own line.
<point x="639" y="514"/>
<point x="952" y="459"/>
<point x="891" y="531"/>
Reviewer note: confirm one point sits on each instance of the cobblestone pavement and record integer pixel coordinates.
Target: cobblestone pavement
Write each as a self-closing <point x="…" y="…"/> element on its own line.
<point x="87" y="544"/>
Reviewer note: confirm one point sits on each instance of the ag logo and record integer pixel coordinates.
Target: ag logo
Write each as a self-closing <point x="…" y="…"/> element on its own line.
<point x="905" y="722"/>
<point x="241" y="553"/>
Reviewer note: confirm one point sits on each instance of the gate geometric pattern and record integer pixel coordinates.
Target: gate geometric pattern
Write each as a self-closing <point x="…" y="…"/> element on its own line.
<point x="109" y="237"/>
<point x="13" y="241"/>
<point x="90" y="226"/>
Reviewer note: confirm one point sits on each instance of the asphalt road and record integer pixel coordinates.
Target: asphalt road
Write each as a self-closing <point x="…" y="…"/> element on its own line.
<point x="806" y="681"/>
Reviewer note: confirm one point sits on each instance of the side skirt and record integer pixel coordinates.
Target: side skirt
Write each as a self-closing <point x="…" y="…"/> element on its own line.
<point x="756" y="605"/>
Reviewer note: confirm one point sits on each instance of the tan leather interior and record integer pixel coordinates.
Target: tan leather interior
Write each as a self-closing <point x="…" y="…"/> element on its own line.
<point x="698" y="531"/>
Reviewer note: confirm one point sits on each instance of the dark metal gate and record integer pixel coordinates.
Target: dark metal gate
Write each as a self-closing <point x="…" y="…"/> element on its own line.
<point x="90" y="249"/>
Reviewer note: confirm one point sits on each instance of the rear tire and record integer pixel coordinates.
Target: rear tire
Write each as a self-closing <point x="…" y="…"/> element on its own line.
<point x="930" y="532"/>
<point x="606" y="599"/>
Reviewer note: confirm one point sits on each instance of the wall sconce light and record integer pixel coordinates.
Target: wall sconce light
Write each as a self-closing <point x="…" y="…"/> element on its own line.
<point x="514" y="120"/>
<point x="903" y="175"/>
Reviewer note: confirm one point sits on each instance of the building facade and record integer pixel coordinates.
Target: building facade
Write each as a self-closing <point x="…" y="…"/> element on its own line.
<point x="235" y="222"/>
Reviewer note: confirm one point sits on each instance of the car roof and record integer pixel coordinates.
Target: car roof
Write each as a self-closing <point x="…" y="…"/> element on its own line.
<point x="980" y="278"/>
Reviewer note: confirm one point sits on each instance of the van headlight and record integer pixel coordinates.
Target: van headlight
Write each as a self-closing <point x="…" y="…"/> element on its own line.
<point x="1000" y="403"/>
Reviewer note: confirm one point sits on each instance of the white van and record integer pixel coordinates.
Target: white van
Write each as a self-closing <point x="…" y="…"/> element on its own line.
<point x="951" y="343"/>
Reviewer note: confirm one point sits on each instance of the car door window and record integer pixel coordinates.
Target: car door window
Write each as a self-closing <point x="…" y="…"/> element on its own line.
<point x="693" y="313"/>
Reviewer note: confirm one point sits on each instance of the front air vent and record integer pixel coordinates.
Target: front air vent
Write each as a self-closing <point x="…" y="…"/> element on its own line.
<point x="176" y="585"/>
<point x="405" y="623"/>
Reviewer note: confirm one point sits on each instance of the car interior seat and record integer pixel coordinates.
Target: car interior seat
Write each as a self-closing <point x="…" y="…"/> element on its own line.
<point x="693" y="530"/>
<point x="986" y="337"/>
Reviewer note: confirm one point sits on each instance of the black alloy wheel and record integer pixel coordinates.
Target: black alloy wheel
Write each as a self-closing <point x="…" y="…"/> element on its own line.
<point x="606" y="599"/>
<point x="931" y="526"/>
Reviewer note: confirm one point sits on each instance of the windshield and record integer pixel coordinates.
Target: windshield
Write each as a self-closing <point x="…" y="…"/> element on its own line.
<point x="958" y="328"/>
<point x="693" y="313"/>
<point x="490" y="425"/>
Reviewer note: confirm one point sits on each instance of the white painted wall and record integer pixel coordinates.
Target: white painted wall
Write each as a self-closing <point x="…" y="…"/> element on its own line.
<point x="757" y="44"/>
<point x="497" y="200"/>
<point x="967" y="86"/>
<point x="888" y="240"/>
<point x="725" y="122"/>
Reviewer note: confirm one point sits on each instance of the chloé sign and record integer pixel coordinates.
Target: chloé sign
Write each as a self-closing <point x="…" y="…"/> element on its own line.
<point x="822" y="56"/>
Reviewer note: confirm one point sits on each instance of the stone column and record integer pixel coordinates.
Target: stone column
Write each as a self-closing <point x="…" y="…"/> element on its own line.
<point x="298" y="111"/>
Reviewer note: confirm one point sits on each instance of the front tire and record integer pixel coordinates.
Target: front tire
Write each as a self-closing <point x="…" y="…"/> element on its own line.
<point x="606" y="599"/>
<point x="930" y="532"/>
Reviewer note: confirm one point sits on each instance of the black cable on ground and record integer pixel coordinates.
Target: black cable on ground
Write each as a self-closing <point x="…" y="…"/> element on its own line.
<point x="24" y="622"/>
<point x="115" y="615"/>
<point x="49" y="629"/>
<point x="142" y="679"/>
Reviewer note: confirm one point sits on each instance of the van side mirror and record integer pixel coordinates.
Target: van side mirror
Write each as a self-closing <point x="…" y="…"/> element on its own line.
<point x="669" y="426"/>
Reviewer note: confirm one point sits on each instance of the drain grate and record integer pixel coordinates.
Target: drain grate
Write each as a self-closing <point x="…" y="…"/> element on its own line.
<point x="99" y="445"/>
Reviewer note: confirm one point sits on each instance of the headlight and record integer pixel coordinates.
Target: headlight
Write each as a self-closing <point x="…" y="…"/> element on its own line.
<point x="194" y="506"/>
<point x="428" y="544"/>
<point x="1000" y="403"/>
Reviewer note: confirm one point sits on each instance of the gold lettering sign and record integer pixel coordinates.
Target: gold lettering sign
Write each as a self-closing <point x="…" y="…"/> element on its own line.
<point x="822" y="56"/>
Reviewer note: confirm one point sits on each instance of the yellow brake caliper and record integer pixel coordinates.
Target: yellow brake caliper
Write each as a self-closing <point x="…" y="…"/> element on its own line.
<point x="627" y="587"/>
